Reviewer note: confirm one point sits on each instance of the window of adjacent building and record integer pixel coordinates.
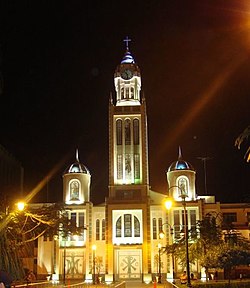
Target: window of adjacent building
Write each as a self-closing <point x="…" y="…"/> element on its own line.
<point x="248" y="217"/>
<point x="127" y="132"/>
<point x="122" y="93"/>
<point x="228" y="218"/>
<point x="119" y="132"/>
<point x="97" y="229"/>
<point x="136" y="131"/>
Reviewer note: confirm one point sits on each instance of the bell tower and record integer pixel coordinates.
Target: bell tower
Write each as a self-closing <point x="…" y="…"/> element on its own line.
<point x="128" y="141"/>
<point x="127" y="206"/>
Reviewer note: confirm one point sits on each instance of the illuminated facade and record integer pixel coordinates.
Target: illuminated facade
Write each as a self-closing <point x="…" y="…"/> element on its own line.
<point x="125" y="229"/>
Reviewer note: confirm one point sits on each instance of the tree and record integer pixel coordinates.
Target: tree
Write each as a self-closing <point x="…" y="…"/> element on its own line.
<point x="207" y="242"/>
<point x="233" y="257"/>
<point x="242" y="138"/>
<point x="19" y="230"/>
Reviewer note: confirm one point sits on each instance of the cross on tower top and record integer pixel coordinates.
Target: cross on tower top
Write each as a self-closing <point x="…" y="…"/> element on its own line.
<point x="127" y="40"/>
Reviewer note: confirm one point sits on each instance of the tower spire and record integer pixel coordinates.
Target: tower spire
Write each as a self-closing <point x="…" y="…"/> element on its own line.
<point x="180" y="154"/>
<point x="77" y="156"/>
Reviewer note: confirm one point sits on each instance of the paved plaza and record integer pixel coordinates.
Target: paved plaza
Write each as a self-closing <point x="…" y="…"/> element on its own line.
<point x="150" y="285"/>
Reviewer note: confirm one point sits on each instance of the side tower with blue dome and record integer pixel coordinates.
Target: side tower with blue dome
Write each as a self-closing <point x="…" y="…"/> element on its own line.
<point x="181" y="179"/>
<point x="76" y="183"/>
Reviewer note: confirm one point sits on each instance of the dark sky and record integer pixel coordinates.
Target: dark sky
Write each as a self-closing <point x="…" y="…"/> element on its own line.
<point x="58" y="60"/>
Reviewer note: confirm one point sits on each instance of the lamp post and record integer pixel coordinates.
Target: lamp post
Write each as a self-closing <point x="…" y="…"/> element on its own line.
<point x="161" y="236"/>
<point x="159" y="260"/>
<point x="93" y="250"/>
<point x="183" y="196"/>
<point x="64" y="262"/>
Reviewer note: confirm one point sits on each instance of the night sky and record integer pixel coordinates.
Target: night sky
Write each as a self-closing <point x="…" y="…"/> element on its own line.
<point x="58" y="60"/>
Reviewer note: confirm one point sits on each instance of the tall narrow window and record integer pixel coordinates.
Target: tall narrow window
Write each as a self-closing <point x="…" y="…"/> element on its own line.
<point x="73" y="224"/>
<point x="119" y="132"/>
<point x="193" y="218"/>
<point x="132" y="92"/>
<point x="103" y="229"/>
<point x="127" y="225"/>
<point x="127" y="93"/>
<point x="97" y="230"/>
<point x="159" y="225"/>
<point x="137" y="166"/>
<point x="119" y="166"/>
<point x="127" y="132"/>
<point x="136" y="227"/>
<point x="81" y="225"/>
<point x="177" y="227"/>
<point x="122" y="93"/>
<point x="119" y="227"/>
<point x="127" y="165"/>
<point x="136" y="131"/>
<point x="154" y="229"/>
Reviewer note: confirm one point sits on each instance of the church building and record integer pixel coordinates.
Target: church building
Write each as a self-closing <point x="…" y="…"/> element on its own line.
<point x="121" y="237"/>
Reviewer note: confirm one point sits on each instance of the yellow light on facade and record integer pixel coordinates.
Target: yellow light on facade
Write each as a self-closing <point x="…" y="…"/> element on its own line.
<point x="161" y="235"/>
<point x="94" y="247"/>
<point x="168" y="203"/>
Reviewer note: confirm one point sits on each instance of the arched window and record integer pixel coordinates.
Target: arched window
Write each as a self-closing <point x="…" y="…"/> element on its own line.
<point x="154" y="229"/>
<point x="74" y="190"/>
<point x="159" y="225"/>
<point x="127" y="93"/>
<point x="122" y="93"/>
<point x="183" y="186"/>
<point x="119" y="227"/>
<point x="97" y="229"/>
<point x="132" y="93"/>
<point x="136" y="227"/>
<point x="127" y="225"/>
<point x="136" y="131"/>
<point x="127" y="132"/>
<point x="119" y="132"/>
<point x="103" y="229"/>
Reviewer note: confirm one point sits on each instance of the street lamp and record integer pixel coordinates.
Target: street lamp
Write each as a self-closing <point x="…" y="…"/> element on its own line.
<point x="162" y="235"/>
<point x="93" y="250"/>
<point x="64" y="261"/>
<point x="159" y="260"/>
<point x="183" y="196"/>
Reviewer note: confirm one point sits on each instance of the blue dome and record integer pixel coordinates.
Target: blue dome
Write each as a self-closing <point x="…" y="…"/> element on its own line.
<point x="77" y="167"/>
<point x="180" y="164"/>
<point x="127" y="58"/>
